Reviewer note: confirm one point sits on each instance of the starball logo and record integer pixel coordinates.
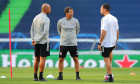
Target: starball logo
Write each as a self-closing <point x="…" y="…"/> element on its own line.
<point x="126" y="62"/>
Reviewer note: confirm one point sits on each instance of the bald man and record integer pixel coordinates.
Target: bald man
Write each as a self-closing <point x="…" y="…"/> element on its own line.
<point x="40" y="39"/>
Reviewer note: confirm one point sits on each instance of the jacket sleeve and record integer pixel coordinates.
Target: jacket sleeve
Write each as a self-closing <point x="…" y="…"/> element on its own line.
<point x="46" y="24"/>
<point x="59" y="27"/>
<point x="77" y="27"/>
<point x="32" y="31"/>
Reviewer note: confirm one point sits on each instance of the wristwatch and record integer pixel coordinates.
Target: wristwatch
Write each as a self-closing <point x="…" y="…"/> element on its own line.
<point x="99" y="43"/>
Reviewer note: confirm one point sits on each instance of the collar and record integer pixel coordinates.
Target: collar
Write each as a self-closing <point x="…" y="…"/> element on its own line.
<point x="43" y="13"/>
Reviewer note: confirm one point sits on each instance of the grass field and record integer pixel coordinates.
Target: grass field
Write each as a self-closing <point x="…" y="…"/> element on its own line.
<point x="88" y="75"/>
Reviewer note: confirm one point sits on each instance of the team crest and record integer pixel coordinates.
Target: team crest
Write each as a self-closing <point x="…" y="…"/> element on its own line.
<point x="72" y="24"/>
<point x="76" y="52"/>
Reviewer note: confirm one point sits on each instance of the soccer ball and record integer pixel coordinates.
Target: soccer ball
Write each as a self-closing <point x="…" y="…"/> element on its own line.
<point x="106" y="77"/>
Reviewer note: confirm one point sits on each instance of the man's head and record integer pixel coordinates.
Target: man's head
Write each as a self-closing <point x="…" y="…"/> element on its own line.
<point x="46" y="8"/>
<point x="68" y="12"/>
<point x="105" y="9"/>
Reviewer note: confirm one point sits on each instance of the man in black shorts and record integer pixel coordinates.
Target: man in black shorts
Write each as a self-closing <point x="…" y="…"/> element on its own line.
<point x="68" y="28"/>
<point x="109" y="37"/>
<point x="40" y="39"/>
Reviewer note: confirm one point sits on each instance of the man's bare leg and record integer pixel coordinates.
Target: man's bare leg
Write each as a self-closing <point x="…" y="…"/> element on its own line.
<point x="36" y="63"/>
<point x="108" y="68"/>
<point x="60" y="64"/>
<point x="108" y="64"/>
<point x="111" y="57"/>
<point x="41" y="66"/>
<point x="61" y="60"/>
<point x="76" y="61"/>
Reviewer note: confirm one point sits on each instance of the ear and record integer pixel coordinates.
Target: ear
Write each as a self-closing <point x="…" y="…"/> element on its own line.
<point x="66" y="13"/>
<point x="104" y="10"/>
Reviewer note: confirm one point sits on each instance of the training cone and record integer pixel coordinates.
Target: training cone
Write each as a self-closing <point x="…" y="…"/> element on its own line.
<point x="3" y="77"/>
<point x="132" y="73"/>
<point x="50" y="76"/>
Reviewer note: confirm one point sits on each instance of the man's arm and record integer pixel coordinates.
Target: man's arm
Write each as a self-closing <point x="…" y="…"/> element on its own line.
<point x="32" y="34"/>
<point x="32" y="31"/>
<point x="103" y="34"/>
<point x="117" y="33"/>
<point x="77" y="27"/>
<point x="117" y="38"/>
<point x="59" y="27"/>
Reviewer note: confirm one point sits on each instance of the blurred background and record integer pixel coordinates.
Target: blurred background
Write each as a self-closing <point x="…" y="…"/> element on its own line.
<point x="88" y="14"/>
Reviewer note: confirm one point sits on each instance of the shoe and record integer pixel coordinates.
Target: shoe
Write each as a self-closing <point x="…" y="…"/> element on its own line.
<point x="59" y="78"/>
<point x="42" y="79"/>
<point x="108" y="80"/>
<point x="35" y="79"/>
<point x="78" y="78"/>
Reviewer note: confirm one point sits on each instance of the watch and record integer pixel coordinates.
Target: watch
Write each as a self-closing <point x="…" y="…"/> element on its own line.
<point x="99" y="43"/>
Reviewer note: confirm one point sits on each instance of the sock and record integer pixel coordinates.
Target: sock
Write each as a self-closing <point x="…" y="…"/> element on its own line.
<point x="35" y="75"/>
<point x="41" y="75"/>
<point x="110" y="77"/>
<point x="77" y="74"/>
<point x="60" y="74"/>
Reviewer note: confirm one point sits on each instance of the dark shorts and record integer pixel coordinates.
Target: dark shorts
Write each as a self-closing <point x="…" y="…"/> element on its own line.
<point x="106" y="51"/>
<point x="42" y="50"/>
<point x="72" y="50"/>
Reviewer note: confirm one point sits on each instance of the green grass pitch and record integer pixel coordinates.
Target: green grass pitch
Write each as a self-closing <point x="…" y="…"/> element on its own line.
<point x="88" y="75"/>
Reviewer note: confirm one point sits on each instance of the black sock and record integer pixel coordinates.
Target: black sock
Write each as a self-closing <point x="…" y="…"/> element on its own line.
<point x="110" y="77"/>
<point x="41" y="75"/>
<point x="77" y="74"/>
<point x="60" y="74"/>
<point x="35" y="75"/>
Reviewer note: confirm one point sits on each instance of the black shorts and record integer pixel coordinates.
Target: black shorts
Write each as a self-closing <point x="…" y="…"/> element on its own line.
<point x="72" y="50"/>
<point x="42" y="50"/>
<point x="106" y="51"/>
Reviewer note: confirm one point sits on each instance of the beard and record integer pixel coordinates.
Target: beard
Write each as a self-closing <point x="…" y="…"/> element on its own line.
<point x="48" y="13"/>
<point x="71" y="16"/>
<point x="102" y="14"/>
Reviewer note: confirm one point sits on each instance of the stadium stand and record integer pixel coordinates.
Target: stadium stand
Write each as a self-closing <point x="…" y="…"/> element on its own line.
<point x="86" y="11"/>
<point x="3" y="4"/>
<point x="18" y="8"/>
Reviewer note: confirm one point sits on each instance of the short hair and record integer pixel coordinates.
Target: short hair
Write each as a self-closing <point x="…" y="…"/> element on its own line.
<point x="66" y="10"/>
<point x="106" y="6"/>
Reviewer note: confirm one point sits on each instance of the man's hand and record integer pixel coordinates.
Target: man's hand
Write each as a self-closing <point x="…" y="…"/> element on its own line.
<point x="33" y="43"/>
<point x="99" y="47"/>
<point x="115" y="46"/>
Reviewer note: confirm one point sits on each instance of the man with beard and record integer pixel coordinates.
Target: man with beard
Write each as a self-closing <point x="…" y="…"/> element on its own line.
<point x="109" y="37"/>
<point x="40" y="39"/>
